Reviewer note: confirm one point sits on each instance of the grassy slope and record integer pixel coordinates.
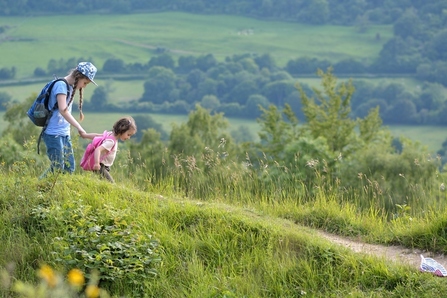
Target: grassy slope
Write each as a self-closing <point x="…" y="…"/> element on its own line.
<point x="209" y="249"/>
<point x="33" y="41"/>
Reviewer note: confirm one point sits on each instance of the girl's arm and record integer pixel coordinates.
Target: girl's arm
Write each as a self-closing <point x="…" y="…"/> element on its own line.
<point x="98" y="152"/>
<point x="90" y="135"/>
<point x="62" y="106"/>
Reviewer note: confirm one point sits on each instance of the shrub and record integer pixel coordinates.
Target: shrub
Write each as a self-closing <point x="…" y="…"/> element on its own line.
<point x="101" y="240"/>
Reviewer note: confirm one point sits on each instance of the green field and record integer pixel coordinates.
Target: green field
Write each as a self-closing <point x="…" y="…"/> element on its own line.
<point x="430" y="136"/>
<point x="120" y="91"/>
<point x="410" y="84"/>
<point x="124" y="91"/>
<point x="33" y="41"/>
<point x="98" y="122"/>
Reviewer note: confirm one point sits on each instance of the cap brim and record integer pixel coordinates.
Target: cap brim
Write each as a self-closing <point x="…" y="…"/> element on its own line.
<point x="93" y="82"/>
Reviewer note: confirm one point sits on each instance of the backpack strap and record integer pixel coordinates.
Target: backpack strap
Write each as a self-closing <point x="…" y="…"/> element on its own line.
<point x="107" y="136"/>
<point x="48" y="93"/>
<point x="55" y="107"/>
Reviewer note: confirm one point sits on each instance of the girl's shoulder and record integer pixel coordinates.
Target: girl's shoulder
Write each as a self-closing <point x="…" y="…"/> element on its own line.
<point x="110" y="138"/>
<point x="108" y="135"/>
<point x="98" y="139"/>
<point x="61" y="86"/>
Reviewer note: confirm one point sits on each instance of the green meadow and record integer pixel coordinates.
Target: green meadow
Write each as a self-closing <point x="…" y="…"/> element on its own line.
<point x="119" y="91"/>
<point x="33" y="41"/>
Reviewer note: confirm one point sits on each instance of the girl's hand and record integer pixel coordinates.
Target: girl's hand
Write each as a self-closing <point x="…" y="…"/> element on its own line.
<point x="82" y="133"/>
<point x="96" y="167"/>
<point x="91" y="135"/>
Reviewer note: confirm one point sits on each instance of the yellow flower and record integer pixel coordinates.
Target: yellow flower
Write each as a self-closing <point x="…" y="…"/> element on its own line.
<point x="92" y="291"/>
<point x="75" y="277"/>
<point x="48" y="275"/>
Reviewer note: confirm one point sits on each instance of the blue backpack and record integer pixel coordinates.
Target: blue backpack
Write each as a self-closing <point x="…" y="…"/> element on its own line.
<point x="39" y="112"/>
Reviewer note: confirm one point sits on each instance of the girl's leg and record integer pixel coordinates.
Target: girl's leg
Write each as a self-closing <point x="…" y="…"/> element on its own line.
<point x="54" y="152"/>
<point x="104" y="171"/>
<point x="69" y="161"/>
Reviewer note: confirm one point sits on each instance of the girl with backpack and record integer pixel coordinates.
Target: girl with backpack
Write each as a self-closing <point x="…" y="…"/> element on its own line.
<point x="101" y="152"/>
<point x="57" y="132"/>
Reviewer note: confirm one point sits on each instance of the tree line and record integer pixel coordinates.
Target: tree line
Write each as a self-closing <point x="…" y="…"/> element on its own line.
<point x="316" y="12"/>
<point x="417" y="47"/>
<point x="241" y="83"/>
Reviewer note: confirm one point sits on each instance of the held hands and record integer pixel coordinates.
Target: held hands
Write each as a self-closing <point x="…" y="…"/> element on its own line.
<point x="82" y="133"/>
<point x="86" y="135"/>
<point x="96" y="167"/>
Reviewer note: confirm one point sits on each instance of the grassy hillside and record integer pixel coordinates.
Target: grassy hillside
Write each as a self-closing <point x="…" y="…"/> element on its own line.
<point x="33" y="41"/>
<point x="227" y="247"/>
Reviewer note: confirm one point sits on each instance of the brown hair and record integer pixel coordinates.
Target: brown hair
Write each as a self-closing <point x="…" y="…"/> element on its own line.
<point x="123" y="125"/>
<point x="77" y="76"/>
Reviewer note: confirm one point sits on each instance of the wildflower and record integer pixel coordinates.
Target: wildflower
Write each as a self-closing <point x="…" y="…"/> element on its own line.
<point x="312" y="163"/>
<point x="75" y="277"/>
<point x="339" y="157"/>
<point x="48" y="275"/>
<point x="92" y="291"/>
<point x="222" y="142"/>
<point x="442" y="187"/>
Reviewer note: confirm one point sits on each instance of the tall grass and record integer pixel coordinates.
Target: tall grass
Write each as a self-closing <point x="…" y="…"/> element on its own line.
<point x="366" y="209"/>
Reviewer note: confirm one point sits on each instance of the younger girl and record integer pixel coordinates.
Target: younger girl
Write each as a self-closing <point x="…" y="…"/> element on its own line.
<point x="105" y="153"/>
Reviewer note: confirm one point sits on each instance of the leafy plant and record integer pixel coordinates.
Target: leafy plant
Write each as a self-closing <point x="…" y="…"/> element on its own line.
<point x="101" y="240"/>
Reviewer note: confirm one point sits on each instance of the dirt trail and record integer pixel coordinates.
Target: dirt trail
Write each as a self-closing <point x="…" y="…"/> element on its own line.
<point x="392" y="253"/>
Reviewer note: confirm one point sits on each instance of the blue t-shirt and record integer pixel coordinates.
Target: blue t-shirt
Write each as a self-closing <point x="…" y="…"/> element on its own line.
<point x="57" y="125"/>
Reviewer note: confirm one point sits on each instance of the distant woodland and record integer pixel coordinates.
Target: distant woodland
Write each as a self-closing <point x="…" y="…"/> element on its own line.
<point x="238" y="85"/>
